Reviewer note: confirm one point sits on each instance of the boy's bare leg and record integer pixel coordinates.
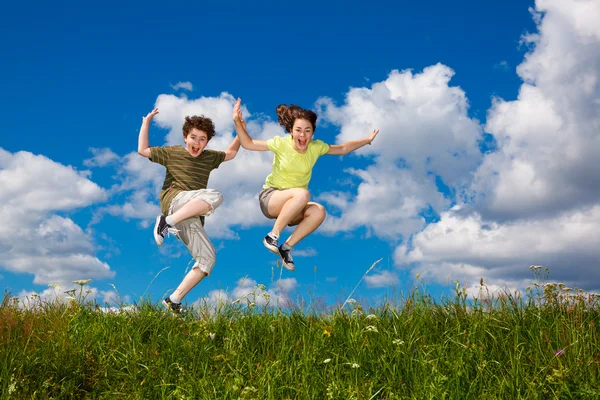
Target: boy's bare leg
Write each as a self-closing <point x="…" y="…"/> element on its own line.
<point x="193" y="208"/>
<point x="314" y="215"/>
<point x="188" y="283"/>
<point x="287" y="204"/>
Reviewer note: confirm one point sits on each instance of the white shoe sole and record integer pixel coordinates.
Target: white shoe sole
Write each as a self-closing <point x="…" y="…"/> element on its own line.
<point x="273" y="249"/>
<point x="286" y="266"/>
<point x="157" y="238"/>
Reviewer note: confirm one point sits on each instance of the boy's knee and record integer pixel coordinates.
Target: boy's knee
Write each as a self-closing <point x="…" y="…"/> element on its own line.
<point x="205" y="264"/>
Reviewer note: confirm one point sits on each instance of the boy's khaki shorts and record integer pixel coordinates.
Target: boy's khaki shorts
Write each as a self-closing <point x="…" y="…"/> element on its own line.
<point x="191" y="232"/>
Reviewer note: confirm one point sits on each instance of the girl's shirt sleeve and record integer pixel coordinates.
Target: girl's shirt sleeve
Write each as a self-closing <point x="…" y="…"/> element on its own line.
<point x="274" y="144"/>
<point x="321" y="147"/>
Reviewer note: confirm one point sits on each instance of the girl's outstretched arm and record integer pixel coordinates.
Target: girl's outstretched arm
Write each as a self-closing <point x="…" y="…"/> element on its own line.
<point x="143" y="144"/>
<point x="232" y="150"/>
<point x="348" y="147"/>
<point x="240" y="127"/>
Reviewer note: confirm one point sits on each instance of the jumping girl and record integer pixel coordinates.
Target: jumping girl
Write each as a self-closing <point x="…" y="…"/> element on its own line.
<point x="285" y="196"/>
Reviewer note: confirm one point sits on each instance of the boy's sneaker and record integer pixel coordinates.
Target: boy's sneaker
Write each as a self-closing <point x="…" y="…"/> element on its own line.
<point x="271" y="244"/>
<point x="175" y="308"/>
<point x="286" y="258"/>
<point x="161" y="229"/>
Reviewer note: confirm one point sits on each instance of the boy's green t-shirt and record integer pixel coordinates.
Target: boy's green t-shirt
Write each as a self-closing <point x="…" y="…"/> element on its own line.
<point x="184" y="172"/>
<point x="290" y="168"/>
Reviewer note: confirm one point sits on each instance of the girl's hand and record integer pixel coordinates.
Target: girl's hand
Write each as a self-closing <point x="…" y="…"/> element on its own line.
<point x="237" y="113"/>
<point x="150" y="115"/>
<point x="373" y="135"/>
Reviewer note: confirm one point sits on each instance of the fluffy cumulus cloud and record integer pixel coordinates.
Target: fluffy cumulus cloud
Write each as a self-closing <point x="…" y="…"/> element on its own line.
<point x="44" y="244"/>
<point x="427" y="140"/>
<point x="382" y="279"/>
<point x="248" y="291"/>
<point x="535" y="199"/>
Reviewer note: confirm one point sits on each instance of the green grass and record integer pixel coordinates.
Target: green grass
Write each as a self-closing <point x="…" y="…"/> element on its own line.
<point x="413" y="347"/>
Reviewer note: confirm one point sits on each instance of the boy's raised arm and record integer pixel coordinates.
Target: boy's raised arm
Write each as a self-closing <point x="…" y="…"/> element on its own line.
<point x="232" y="150"/>
<point x="143" y="144"/>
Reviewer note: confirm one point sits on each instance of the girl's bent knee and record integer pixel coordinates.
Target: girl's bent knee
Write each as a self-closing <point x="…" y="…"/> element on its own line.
<point x="302" y="194"/>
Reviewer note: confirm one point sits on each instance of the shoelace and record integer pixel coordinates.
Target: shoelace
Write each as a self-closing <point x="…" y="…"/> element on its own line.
<point x="169" y="230"/>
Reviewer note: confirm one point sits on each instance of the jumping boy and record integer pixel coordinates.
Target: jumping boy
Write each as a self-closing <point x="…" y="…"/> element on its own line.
<point x="184" y="198"/>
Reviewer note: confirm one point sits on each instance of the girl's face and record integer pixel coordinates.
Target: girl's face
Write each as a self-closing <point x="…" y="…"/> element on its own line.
<point x="302" y="133"/>
<point x="195" y="142"/>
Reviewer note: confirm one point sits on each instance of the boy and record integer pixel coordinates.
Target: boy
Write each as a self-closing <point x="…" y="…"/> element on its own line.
<point x="184" y="198"/>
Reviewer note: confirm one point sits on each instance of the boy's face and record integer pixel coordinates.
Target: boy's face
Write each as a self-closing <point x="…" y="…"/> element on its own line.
<point x="195" y="142"/>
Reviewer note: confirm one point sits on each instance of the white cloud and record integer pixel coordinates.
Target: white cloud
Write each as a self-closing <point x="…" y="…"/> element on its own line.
<point x="424" y="133"/>
<point x="50" y="247"/>
<point x="548" y="138"/>
<point x="382" y="279"/>
<point x="183" y="85"/>
<point x="535" y="199"/>
<point x="306" y="252"/>
<point x="101" y="158"/>
<point x="466" y="248"/>
<point x="248" y="291"/>
<point x="422" y="120"/>
<point x="502" y="65"/>
<point x="389" y="202"/>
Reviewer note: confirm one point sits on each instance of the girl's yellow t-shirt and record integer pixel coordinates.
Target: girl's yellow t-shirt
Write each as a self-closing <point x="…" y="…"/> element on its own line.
<point x="290" y="168"/>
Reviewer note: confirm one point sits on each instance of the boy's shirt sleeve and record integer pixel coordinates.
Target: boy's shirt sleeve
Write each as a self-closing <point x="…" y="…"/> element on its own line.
<point x="274" y="144"/>
<point x="159" y="155"/>
<point x="218" y="159"/>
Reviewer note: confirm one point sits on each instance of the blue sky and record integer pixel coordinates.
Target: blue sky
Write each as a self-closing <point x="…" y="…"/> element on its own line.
<point x="486" y="162"/>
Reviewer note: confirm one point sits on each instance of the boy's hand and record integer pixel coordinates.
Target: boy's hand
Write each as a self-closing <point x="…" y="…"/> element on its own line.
<point x="237" y="113"/>
<point x="373" y="135"/>
<point x="150" y="115"/>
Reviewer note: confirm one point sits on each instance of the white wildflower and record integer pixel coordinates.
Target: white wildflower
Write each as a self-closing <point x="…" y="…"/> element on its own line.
<point x="82" y="281"/>
<point x="327" y="361"/>
<point x="212" y="336"/>
<point x="371" y="316"/>
<point x="371" y="328"/>
<point x="398" y="342"/>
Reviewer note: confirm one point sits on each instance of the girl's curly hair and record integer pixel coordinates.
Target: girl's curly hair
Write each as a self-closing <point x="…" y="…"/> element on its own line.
<point x="287" y="115"/>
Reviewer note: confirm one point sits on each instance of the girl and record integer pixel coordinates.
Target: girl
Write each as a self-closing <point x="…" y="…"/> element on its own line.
<point x="285" y="196"/>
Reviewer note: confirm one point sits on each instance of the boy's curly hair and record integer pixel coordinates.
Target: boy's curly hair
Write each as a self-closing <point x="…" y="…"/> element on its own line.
<point x="287" y="115"/>
<point x="199" y="122"/>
